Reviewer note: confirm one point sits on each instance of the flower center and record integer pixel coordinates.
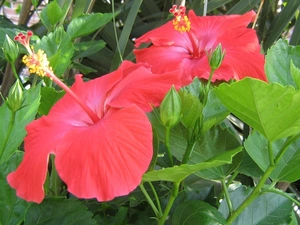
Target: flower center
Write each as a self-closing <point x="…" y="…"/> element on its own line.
<point x="181" y="22"/>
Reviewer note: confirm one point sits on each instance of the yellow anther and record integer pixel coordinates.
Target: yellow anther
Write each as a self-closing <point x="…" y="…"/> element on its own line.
<point x="181" y="22"/>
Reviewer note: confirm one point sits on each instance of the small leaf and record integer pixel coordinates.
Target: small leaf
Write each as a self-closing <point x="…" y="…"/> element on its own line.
<point x="86" y="24"/>
<point x="271" y="109"/>
<point x="49" y="96"/>
<point x="12" y="208"/>
<point x="197" y="213"/>
<point x="51" y="14"/>
<point x="59" y="50"/>
<point x="178" y="173"/>
<point x="84" y="49"/>
<point x="60" y="211"/>
<point x="267" y="208"/>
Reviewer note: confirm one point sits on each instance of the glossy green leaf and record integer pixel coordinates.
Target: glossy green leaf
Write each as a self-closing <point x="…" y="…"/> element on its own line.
<point x="242" y="7"/>
<point x="49" y="96"/>
<point x="83" y="49"/>
<point x="271" y="109"/>
<point x="12" y="127"/>
<point x="191" y="108"/>
<point x="51" y="15"/>
<point x="178" y="173"/>
<point x="267" y="208"/>
<point x="197" y="213"/>
<point x="286" y="170"/>
<point x="213" y="113"/>
<point x="86" y="24"/>
<point x="278" y="62"/>
<point x="53" y="211"/>
<point x="12" y="208"/>
<point x="59" y="50"/>
<point x="295" y="72"/>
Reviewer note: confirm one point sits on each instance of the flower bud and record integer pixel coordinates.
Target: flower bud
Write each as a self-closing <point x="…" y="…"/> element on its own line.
<point x="15" y="97"/>
<point x="10" y="49"/>
<point x="216" y="57"/>
<point x="170" y="108"/>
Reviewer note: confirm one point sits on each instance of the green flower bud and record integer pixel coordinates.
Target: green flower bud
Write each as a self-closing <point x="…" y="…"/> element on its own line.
<point x="10" y="49"/>
<point x="216" y="57"/>
<point x="170" y="108"/>
<point x="15" y="97"/>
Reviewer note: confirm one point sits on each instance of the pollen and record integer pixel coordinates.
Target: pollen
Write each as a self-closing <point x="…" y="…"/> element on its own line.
<point x="37" y="63"/>
<point x="181" y="21"/>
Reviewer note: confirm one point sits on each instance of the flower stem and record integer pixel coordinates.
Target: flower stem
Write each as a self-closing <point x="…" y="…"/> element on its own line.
<point x="228" y="200"/>
<point x="167" y="143"/>
<point x="151" y="203"/>
<point x="16" y="74"/>
<point x="170" y="203"/>
<point x="156" y="198"/>
<point x="91" y="114"/>
<point x="188" y="152"/>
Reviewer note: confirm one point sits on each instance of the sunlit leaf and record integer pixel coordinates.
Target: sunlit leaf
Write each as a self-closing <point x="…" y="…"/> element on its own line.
<point x="271" y="109"/>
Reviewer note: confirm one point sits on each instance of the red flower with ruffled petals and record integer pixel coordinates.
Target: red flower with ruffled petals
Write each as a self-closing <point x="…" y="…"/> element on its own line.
<point x="187" y="47"/>
<point x="97" y="158"/>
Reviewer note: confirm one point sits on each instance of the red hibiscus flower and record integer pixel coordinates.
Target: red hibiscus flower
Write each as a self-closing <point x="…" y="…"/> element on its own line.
<point x="99" y="153"/>
<point x="185" y="41"/>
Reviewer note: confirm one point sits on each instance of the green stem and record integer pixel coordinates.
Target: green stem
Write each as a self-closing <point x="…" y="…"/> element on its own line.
<point x="228" y="200"/>
<point x="252" y="196"/>
<point x="256" y="191"/>
<point x="170" y="203"/>
<point x="151" y="203"/>
<point x="188" y="152"/>
<point x="156" y="199"/>
<point x="10" y="127"/>
<point x="233" y="176"/>
<point x="16" y="74"/>
<point x="270" y="150"/>
<point x="55" y="181"/>
<point x="283" y="194"/>
<point x="167" y="143"/>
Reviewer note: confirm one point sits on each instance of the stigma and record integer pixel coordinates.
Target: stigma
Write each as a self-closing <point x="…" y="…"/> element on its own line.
<point x="181" y="21"/>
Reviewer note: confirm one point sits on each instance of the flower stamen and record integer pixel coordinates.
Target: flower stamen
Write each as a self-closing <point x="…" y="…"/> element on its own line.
<point x="181" y="21"/>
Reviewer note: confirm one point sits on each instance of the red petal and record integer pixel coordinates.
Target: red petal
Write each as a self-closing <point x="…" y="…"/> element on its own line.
<point x="109" y="158"/>
<point x="143" y="88"/>
<point x="28" y="179"/>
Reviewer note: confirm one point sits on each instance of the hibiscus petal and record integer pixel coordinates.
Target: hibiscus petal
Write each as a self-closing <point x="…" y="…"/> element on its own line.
<point x="109" y="158"/>
<point x="28" y="179"/>
<point x="143" y="88"/>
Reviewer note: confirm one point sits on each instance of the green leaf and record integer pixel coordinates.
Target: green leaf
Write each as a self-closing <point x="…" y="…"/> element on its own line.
<point x="58" y="48"/>
<point x="278" y="60"/>
<point x="12" y="127"/>
<point x="191" y="108"/>
<point x="242" y="7"/>
<point x="178" y="173"/>
<point x="271" y="109"/>
<point x="286" y="170"/>
<point x="197" y="213"/>
<point x="267" y="208"/>
<point x="213" y="143"/>
<point x="86" y="24"/>
<point x="60" y="211"/>
<point x="83" y="49"/>
<point x="214" y="112"/>
<point x="12" y="208"/>
<point x="49" y="96"/>
<point x="295" y="72"/>
<point x="51" y="15"/>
